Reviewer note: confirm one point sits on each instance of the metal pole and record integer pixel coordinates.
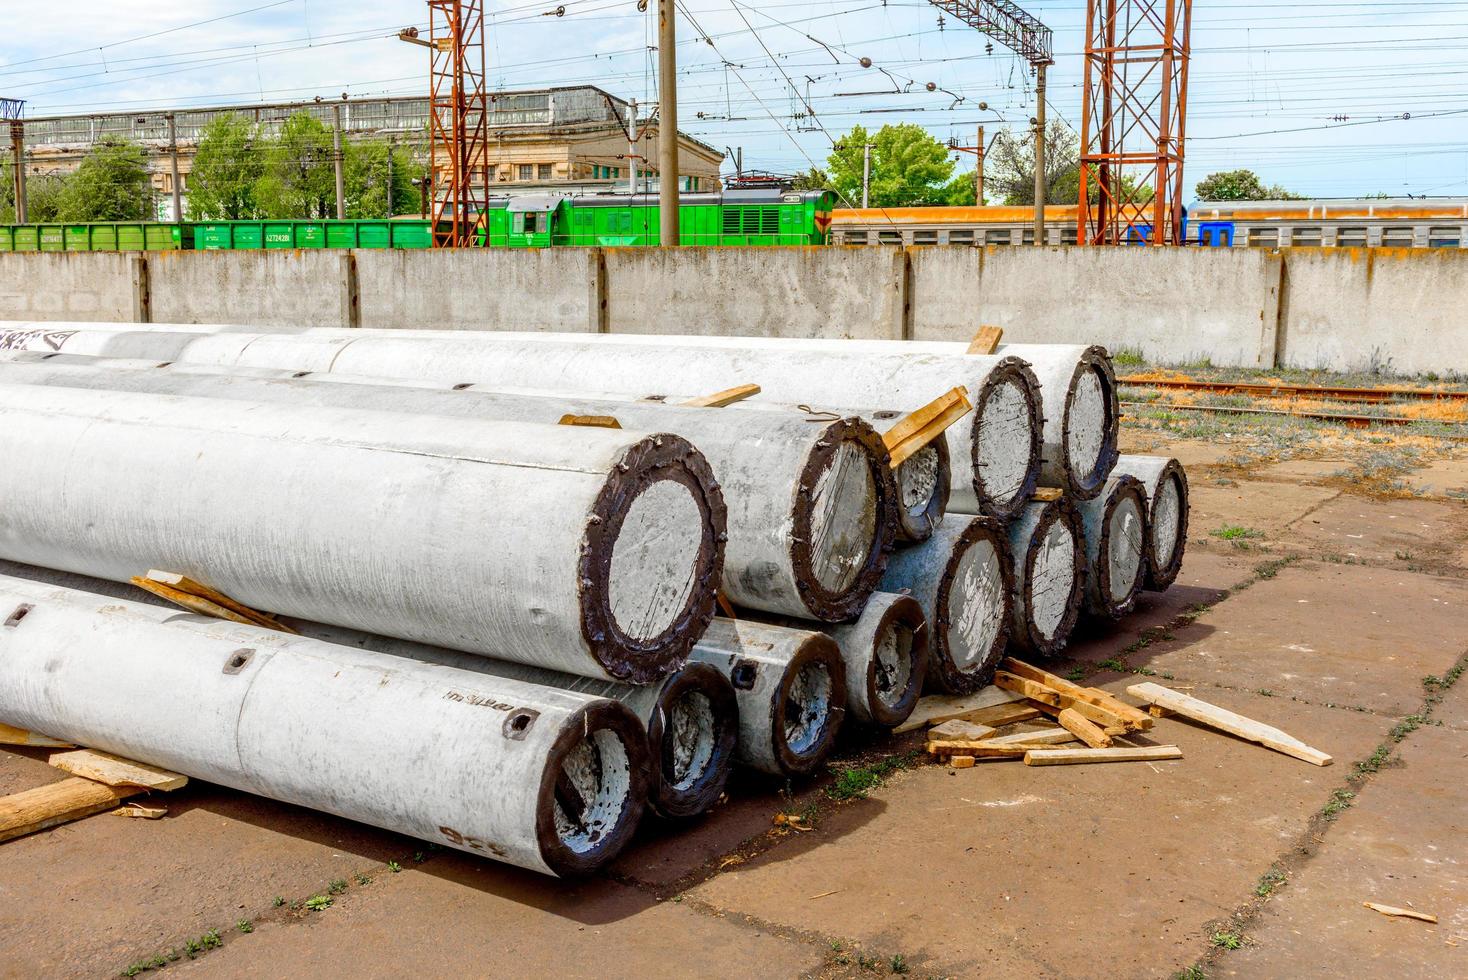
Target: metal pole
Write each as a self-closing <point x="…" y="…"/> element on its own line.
<point x="391" y="147"/>
<point x="979" y="173"/>
<point x="667" y="125"/>
<point x="866" y="173"/>
<point x="17" y="149"/>
<point x="336" y="162"/>
<point x="632" y="155"/>
<point x="173" y="167"/>
<point x="1040" y="182"/>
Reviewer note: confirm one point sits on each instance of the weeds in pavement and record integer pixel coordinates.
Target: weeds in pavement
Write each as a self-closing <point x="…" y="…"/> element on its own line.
<point x="1227" y="940"/>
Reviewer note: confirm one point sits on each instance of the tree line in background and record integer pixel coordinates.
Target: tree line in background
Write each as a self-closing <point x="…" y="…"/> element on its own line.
<point x="911" y="168"/>
<point x="240" y="172"/>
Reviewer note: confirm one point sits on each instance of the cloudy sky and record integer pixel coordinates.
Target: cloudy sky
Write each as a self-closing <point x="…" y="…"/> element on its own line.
<point x="1311" y="95"/>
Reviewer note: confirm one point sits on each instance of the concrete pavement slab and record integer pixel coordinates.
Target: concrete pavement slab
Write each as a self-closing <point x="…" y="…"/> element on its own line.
<point x="1416" y="533"/>
<point x="1005" y="870"/>
<point x="1344" y="634"/>
<point x="1403" y="843"/>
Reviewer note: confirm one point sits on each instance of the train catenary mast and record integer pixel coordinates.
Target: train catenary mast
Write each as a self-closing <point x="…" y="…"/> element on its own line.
<point x="458" y="119"/>
<point x="1133" y="121"/>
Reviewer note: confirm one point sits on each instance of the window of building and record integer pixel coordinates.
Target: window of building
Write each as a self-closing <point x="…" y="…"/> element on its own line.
<point x="1444" y="237"/>
<point x="1398" y="236"/>
<point x="889" y="238"/>
<point x="1264" y="237"/>
<point x="1029" y="236"/>
<point x="527" y="171"/>
<point x="1305" y="237"/>
<point x="1351" y="237"/>
<point x="544" y="171"/>
<point x="961" y="236"/>
<point x="925" y="237"/>
<point x="997" y="237"/>
<point x="1068" y="235"/>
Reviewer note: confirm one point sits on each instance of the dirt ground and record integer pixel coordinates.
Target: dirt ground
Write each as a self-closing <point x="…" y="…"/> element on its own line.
<point x="1325" y="592"/>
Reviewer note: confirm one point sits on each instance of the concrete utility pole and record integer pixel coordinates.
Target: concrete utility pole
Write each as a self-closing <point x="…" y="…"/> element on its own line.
<point x="667" y="125"/>
<point x="1040" y="182"/>
<point x="633" y="157"/>
<point x="173" y="167"/>
<point x="979" y="170"/>
<point x="392" y="145"/>
<point x="336" y="162"/>
<point x="866" y="173"/>
<point x="17" y="150"/>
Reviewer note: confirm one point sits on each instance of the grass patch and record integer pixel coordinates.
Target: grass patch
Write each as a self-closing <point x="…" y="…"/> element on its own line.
<point x="1270" y="881"/>
<point x="319" y="903"/>
<point x="855" y="782"/>
<point x="1372" y="764"/>
<point x="1191" y="973"/>
<point x="1226" y="940"/>
<point x="1340" y="801"/>
<point x="1128" y="357"/>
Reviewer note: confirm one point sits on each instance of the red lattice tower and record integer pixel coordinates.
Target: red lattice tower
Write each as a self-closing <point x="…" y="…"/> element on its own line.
<point x="457" y="120"/>
<point x="1133" y="121"/>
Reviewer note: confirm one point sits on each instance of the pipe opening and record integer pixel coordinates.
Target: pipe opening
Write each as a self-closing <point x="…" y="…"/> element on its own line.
<point x="1166" y="521"/>
<point x="808" y="704"/>
<point x="1087" y="426"/>
<point x="19" y="614"/>
<point x="1052" y="579"/>
<point x="655" y="560"/>
<point x="1007" y="431"/>
<point x="922" y="490"/>
<point x="975" y="608"/>
<point x="593" y="787"/>
<point x="517" y="725"/>
<point x="743" y="675"/>
<point x="893" y="665"/>
<point x="1125" y="550"/>
<point x="689" y="740"/>
<point x="843" y="519"/>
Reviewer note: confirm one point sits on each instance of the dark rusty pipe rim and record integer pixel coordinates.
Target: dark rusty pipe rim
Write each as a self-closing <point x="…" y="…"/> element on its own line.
<point x="1055" y="510"/>
<point x="667" y="799"/>
<point x="1124" y="487"/>
<point x="943" y="674"/>
<point x="818" y="649"/>
<point x="827" y="605"/>
<point x="658" y="457"/>
<point x="904" y="614"/>
<point x="1087" y="486"/>
<point x="1017" y="371"/>
<point x="915" y="527"/>
<point x="617" y="718"/>
<point x="1159" y="578"/>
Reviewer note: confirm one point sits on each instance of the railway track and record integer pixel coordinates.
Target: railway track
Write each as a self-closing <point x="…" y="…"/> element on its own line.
<point x="1344" y="418"/>
<point x="1336" y="393"/>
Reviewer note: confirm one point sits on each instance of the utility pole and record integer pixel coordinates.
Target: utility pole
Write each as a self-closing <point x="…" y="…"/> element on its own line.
<point x="667" y="125"/>
<point x="336" y="161"/>
<point x="17" y="151"/>
<point x="866" y="173"/>
<point x="392" y="145"/>
<point x="979" y="170"/>
<point x="1040" y="182"/>
<point x="633" y="157"/>
<point x="173" y="167"/>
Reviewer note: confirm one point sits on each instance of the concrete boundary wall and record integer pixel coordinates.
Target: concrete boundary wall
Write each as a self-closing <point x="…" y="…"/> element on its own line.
<point x="1388" y="310"/>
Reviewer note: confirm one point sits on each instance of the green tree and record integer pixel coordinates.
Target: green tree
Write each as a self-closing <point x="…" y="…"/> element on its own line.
<point x="226" y="168"/>
<point x="111" y="184"/>
<point x="960" y="191"/>
<point x="814" y="179"/>
<point x="909" y="168"/>
<point x="298" y="179"/>
<point x="365" y="180"/>
<point x="41" y="196"/>
<point x="1240" y="185"/>
<point x="1010" y="167"/>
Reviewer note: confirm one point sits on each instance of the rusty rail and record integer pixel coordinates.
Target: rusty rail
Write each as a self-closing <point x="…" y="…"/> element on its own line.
<point x="1323" y="392"/>
<point x="1352" y="421"/>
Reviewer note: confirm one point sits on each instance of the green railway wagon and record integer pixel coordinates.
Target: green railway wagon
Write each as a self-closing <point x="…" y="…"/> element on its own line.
<point x="744" y="217"/>
<point x="101" y="236"/>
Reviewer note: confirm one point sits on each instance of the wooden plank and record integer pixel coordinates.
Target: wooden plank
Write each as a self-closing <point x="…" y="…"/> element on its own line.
<point x="986" y="341"/>
<point x="719" y="399"/>
<point x="981" y="750"/>
<point x="1158" y="712"/>
<point x="1138" y="718"/>
<point x="1225" y="720"/>
<point x="1037" y="692"/>
<point x="141" y="812"/>
<point x="937" y="708"/>
<point x="924" y="425"/>
<point x="591" y="421"/>
<point x="185" y="584"/>
<point x="57" y="803"/>
<point x="112" y="770"/>
<point x="960" y="730"/>
<point x="191" y="602"/>
<point x="962" y="762"/>
<point x="1084" y="729"/>
<point x="1073" y="757"/>
<point x="1047" y="494"/>
<point x="1392" y="910"/>
<point x="19" y="736"/>
<point x="1046" y="736"/>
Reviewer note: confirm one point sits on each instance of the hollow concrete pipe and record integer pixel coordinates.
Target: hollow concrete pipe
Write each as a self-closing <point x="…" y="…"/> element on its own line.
<point x="961" y="578"/>
<point x="592" y="551"/>
<point x="547" y="780"/>
<point x="691" y="716"/>
<point x="791" y="687"/>
<point x="1166" y="483"/>
<point x="1115" y="528"/>
<point x="1003" y="436"/>
<point x="811" y="506"/>
<point x="886" y="655"/>
<point x="1048" y="550"/>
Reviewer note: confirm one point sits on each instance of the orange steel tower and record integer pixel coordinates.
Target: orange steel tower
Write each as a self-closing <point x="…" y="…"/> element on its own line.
<point x="458" y="119"/>
<point x="1133" y="119"/>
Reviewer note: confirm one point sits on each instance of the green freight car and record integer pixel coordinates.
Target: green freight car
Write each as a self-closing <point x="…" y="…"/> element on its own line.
<point x="743" y="217"/>
<point x="101" y="236"/>
<point x="159" y="236"/>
